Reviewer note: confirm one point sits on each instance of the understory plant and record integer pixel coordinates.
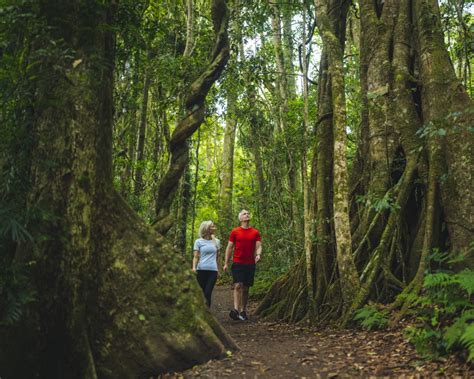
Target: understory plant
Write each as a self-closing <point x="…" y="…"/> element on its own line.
<point x="372" y="317"/>
<point x="444" y="310"/>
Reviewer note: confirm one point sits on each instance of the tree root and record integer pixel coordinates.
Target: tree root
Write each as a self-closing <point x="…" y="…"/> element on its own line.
<point x="372" y="268"/>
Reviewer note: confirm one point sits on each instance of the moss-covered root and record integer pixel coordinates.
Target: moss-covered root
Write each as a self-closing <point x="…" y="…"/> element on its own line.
<point x="286" y="300"/>
<point x="151" y="315"/>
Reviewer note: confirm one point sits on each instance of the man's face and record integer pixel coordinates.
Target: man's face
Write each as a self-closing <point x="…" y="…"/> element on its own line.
<point x="245" y="216"/>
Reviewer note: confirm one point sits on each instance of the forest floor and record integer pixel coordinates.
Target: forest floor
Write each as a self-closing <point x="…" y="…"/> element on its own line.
<point x="287" y="351"/>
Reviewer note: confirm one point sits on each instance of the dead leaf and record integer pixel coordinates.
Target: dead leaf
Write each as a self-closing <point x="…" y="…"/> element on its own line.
<point x="76" y="63"/>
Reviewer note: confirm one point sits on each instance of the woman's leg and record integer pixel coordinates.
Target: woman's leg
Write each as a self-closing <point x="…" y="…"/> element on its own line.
<point x="211" y="282"/>
<point x="202" y="279"/>
<point x="207" y="279"/>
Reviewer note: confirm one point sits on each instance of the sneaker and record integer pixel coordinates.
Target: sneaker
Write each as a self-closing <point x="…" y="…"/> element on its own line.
<point x="234" y="314"/>
<point x="243" y="316"/>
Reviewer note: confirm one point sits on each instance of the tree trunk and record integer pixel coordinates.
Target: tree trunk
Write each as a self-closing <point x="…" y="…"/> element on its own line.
<point x="283" y="95"/>
<point x="307" y="193"/>
<point x="142" y="133"/>
<point x="346" y="267"/>
<point x="448" y="110"/>
<point x="255" y="130"/>
<point x="189" y="28"/>
<point x="113" y="299"/>
<point x="283" y="300"/>
<point x="225" y="193"/>
<point x="195" y="111"/>
<point x="183" y="211"/>
<point x="413" y="179"/>
<point x="131" y="133"/>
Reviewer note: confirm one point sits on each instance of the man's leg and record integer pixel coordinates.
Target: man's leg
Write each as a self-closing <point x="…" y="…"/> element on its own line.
<point x="245" y="297"/>
<point x="238" y="296"/>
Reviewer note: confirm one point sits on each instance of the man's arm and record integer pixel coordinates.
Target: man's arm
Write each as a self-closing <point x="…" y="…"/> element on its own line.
<point x="228" y="253"/>
<point x="258" y="251"/>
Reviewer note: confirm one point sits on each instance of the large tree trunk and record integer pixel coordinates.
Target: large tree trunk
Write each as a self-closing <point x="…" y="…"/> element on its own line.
<point x="285" y="299"/>
<point x="113" y="299"/>
<point x="449" y="111"/>
<point x="306" y="176"/>
<point x="417" y="184"/>
<point x="346" y="267"/>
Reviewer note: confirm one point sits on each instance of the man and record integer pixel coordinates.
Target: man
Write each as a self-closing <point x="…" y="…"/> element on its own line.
<point x="246" y="244"/>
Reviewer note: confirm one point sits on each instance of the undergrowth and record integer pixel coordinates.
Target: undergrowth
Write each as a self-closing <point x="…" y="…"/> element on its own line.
<point x="442" y="313"/>
<point x="372" y="317"/>
<point x="265" y="276"/>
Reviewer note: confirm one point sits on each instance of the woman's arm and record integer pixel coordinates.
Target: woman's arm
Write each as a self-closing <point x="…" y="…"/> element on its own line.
<point x="195" y="259"/>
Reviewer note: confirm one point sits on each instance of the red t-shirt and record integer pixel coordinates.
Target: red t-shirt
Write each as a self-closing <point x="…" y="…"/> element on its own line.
<point x="244" y="244"/>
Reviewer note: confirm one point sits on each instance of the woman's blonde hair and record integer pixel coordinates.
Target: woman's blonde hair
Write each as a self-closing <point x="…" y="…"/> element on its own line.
<point x="204" y="228"/>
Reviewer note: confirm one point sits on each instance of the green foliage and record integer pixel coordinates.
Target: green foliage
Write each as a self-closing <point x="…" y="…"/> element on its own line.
<point x="378" y="204"/>
<point x="266" y="274"/>
<point x="467" y="339"/>
<point x="444" y="310"/>
<point x="15" y="293"/>
<point x="22" y="31"/>
<point x="371" y="318"/>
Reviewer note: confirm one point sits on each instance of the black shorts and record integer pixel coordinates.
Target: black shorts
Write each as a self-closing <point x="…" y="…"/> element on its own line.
<point x="243" y="273"/>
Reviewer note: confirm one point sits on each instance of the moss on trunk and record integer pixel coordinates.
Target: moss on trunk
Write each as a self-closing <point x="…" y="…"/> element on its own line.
<point x="113" y="298"/>
<point x="418" y="162"/>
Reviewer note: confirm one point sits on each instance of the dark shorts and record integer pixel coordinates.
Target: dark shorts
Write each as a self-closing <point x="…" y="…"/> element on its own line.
<point x="243" y="273"/>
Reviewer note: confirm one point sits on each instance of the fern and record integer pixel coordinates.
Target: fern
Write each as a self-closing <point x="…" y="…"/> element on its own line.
<point x="371" y="318"/>
<point x="11" y="223"/>
<point x="445" y="311"/>
<point x="15" y="293"/>
<point x="467" y="339"/>
<point x="439" y="279"/>
<point x="453" y="333"/>
<point x="465" y="279"/>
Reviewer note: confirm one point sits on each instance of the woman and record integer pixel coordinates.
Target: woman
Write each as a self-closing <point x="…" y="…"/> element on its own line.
<point x="206" y="256"/>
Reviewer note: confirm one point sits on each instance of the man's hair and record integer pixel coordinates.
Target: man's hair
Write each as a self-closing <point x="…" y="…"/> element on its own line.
<point x="241" y="213"/>
<point x="204" y="228"/>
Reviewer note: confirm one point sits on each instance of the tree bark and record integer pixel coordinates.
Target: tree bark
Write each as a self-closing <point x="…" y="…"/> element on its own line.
<point x="447" y="106"/>
<point x="283" y="95"/>
<point x="307" y="193"/>
<point x="113" y="299"/>
<point x="225" y="193"/>
<point x="346" y="267"/>
<point x="142" y="133"/>
<point x="195" y="110"/>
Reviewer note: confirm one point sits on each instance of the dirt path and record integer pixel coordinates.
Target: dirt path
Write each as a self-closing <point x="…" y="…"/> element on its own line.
<point x="285" y="351"/>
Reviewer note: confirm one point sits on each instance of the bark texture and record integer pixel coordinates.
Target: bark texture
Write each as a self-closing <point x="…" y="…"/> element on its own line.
<point x="412" y="181"/>
<point x="346" y="267"/>
<point x="112" y="297"/>
<point x="194" y="116"/>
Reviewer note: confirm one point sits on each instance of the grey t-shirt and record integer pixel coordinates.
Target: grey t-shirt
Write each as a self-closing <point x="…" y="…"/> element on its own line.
<point x="208" y="253"/>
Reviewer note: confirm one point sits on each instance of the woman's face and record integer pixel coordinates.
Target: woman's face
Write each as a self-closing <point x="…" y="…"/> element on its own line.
<point x="212" y="229"/>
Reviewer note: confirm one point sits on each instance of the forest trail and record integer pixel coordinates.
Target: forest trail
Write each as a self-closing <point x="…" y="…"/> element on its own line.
<point x="287" y="351"/>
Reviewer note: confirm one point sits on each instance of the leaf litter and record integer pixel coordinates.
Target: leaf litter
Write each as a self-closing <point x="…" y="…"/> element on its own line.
<point x="274" y="350"/>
